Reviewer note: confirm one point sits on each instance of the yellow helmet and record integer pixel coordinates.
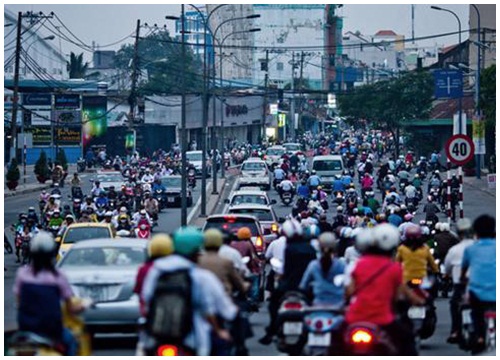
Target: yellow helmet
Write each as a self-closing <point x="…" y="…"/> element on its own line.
<point x="160" y="245"/>
<point x="213" y="238"/>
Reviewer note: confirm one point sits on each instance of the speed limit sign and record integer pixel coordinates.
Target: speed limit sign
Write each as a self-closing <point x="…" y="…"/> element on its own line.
<point x="459" y="149"/>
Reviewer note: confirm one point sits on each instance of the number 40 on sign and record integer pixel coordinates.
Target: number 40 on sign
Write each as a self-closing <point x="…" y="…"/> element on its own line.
<point x="459" y="149"/>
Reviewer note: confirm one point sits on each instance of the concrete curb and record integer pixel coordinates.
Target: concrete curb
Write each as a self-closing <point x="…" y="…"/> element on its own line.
<point x="8" y="193"/>
<point x="212" y="201"/>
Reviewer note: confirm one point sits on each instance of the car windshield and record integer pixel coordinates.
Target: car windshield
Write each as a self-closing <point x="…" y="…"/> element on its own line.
<point x="110" y="178"/>
<point x="194" y="157"/>
<point x="292" y="147"/>
<point x="249" y="199"/>
<point x="171" y="182"/>
<point x="253" y="166"/>
<point x="261" y="214"/>
<point x="277" y="152"/>
<point x="104" y="256"/>
<point x="327" y="165"/>
<point x="232" y="225"/>
<point x="74" y="235"/>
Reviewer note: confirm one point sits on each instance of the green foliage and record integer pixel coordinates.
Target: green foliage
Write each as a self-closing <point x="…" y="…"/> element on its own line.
<point x="487" y="99"/>
<point x="13" y="173"/>
<point x="160" y="57"/>
<point x="61" y="159"/>
<point x="75" y="66"/>
<point x="391" y="103"/>
<point x="41" y="168"/>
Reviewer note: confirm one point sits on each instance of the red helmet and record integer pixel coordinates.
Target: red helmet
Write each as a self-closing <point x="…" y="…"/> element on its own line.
<point x="413" y="232"/>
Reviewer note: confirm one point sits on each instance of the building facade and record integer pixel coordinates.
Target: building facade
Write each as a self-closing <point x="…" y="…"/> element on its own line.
<point x="487" y="13"/>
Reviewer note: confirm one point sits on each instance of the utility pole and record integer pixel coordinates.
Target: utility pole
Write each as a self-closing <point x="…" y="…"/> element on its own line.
<point x="301" y="81"/>
<point x="183" y="125"/>
<point x="292" y="101"/>
<point x="13" y="124"/>
<point x="204" y="172"/>
<point x="264" y="113"/>
<point x="135" y="64"/>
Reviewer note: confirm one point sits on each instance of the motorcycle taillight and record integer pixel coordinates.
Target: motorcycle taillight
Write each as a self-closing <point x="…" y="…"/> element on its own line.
<point x="289" y="305"/>
<point x="361" y="336"/>
<point x="167" y="350"/>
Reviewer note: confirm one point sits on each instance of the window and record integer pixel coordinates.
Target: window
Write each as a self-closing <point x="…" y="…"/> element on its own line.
<point x="279" y="66"/>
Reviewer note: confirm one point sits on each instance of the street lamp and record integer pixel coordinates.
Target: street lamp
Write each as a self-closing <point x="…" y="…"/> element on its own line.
<point x="478" y="82"/>
<point x="47" y="38"/>
<point x="222" y="174"/>
<point x="214" y="140"/>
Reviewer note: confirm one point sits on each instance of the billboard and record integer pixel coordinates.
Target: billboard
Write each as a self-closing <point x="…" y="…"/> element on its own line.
<point x="94" y="117"/>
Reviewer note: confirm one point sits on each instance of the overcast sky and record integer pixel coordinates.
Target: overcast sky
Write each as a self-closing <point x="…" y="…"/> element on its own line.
<point x="107" y="24"/>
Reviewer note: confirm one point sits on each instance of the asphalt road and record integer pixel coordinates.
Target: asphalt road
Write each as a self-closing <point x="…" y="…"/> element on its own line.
<point x="476" y="202"/>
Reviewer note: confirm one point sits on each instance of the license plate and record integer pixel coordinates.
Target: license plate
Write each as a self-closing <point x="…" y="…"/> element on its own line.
<point x="96" y="293"/>
<point x="416" y="312"/>
<point x="292" y="328"/>
<point x="466" y="317"/>
<point x="319" y="339"/>
<point x="171" y="199"/>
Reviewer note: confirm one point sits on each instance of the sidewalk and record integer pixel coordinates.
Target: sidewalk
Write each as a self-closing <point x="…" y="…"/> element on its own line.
<point x="480" y="184"/>
<point x="212" y="203"/>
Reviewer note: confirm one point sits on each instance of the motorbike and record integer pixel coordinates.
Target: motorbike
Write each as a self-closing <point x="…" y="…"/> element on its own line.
<point x="7" y="247"/>
<point x="143" y="232"/>
<point x="24" y="343"/>
<point x="291" y="335"/>
<point x="423" y="317"/>
<point x="192" y="179"/>
<point x="286" y="197"/>
<point x="467" y="331"/>
<point x="77" y="207"/>
<point x="81" y="165"/>
<point x="320" y="322"/>
<point x="160" y="196"/>
<point x="338" y="197"/>
<point x="25" y="250"/>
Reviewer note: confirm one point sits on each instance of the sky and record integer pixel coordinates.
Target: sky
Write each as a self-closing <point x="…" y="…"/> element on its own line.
<point x="106" y="24"/>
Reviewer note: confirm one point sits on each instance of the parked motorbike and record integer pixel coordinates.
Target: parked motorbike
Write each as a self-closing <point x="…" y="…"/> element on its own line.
<point x="81" y="165"/>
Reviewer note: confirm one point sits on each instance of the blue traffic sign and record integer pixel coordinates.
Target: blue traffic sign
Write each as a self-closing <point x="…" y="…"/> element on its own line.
<point x="448" y="83"/>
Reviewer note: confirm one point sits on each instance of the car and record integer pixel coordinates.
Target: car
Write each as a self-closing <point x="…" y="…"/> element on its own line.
<point x="294" y="148"/>
<point x="254" y="172"/>
<point x="249" y="196"/>
<point x="274" y="155"/>
<point x="195" y="158"/>
<point x="232" y="223"/>
<point x="78" y="232"/>
<point x="172" y="185"/>
<point x="264" y="213"/>
<point x="105" y="270"/>
<point x="326" y="167"/>
<point x="110" y="178"/>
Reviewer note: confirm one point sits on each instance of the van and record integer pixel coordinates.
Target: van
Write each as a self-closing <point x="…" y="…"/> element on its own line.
<point x="326" y="167"/>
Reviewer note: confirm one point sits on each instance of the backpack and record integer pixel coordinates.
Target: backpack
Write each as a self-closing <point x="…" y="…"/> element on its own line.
<point x="170" y="316"/>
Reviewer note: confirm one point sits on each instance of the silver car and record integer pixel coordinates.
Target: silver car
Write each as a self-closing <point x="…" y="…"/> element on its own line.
<point x="105" y="270"/>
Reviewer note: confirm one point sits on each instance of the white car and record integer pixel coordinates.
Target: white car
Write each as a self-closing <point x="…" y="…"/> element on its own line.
<point x="274" y="155"/>
<point x="195" y="158"/>
<point x="254" y="172"/>
<point x="246" y="196"/>
<point x="110" y="178"/>
<point x="294" y="148"/>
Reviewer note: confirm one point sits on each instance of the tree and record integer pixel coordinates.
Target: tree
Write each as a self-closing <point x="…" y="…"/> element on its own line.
<point x="13" y="175"/>
<point x="42" y="171"/>
<point x="389" y="104"/>
<point x="61" y="159"/>
<point x="487" y="103"/>
<point x="160" y="58"/>
<point x="75" y="66"/>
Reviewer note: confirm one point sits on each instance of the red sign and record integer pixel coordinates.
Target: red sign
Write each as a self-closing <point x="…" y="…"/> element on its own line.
<point x="459" y="149"/>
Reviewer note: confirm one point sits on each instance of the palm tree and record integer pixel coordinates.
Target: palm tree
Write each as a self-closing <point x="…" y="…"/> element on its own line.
<point x="76" y="67"/>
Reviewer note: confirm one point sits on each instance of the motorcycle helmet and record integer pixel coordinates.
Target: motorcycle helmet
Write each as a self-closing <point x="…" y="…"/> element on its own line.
<point x="213" y="239"/>
<point x="31" y="209"/>
<point x="291" y="228"/>
<point x="187" y="241"/>
<point x="363" y="238"/>
<point x="143" y="212"/>
<point x="108" y="214"/>
<point x="464" y="225"/>
<point x="328" y="240"/>
<point x="160" y="245"/>
<point x="43" y="244"/>
<point x="69" y="216"/>
<point x="386" y="237"/>
<point x="413" y="232"/>
<point x="123" y="209"/>
<point x="311" y="232"/>
<point x="340" y="209"/>
<point x="445" y="227"/>
<point x="244" y="233"/>
<point x="123" y="218"/>
<point x="56" y="212"/>
<point x="437" y="227"/>
<point x="408" y="217"/>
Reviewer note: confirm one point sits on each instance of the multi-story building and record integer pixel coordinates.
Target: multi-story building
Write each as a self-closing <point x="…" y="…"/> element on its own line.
<point x="40" y="59"/>
<point x="487" y="13"/>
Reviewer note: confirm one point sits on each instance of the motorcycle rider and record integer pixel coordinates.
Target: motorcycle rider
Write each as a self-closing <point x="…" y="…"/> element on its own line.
<point x="55" y="220"/>
<point x="320" y="273"/>
<point x="285" y="186"/>
<point x="88" y="204"/>
<point x="314" y="181"/>
<point x="279" y="175"/>
<point x="444" y="241"/>
<point x="430" y="210"/>
<point x="123" y="223"/>
<point x="479" y="273"/>
<point x="96" y="189"/>
<point x="208" y="296"/>
<point x="147" y="177"/>
<point x="303" y="190"/>
<point x="377" y="280"/>
<point x="41" y="282"/>
<point x="68" y="220"/>
<point x="108" y="219"/>
<point x="76" y="183"/>
<point x="453" y="266"/>
<point x="141" y="217"/>
<point x="32" y="215"/>
<point x="102" y="201"/>
<point x="157" y="185"/>
<point x="151" y="205"/>
<point x="112" y="194"/>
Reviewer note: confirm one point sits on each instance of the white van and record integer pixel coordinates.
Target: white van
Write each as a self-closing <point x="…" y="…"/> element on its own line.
<point x="326" y="167"/>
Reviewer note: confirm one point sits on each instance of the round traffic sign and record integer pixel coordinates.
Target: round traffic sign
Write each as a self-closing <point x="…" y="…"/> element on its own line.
<point x="459" y="149"/>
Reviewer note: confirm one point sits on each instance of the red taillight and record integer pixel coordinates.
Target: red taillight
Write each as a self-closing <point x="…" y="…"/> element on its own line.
<point x="361" y="337"/>
<point x="167" y="350"/>
<point x="292" y="306"/>
<point x="230" y="219"/>
<point x="416" y="281"/>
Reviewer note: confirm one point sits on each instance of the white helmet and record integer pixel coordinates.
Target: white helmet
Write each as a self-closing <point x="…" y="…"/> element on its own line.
<point x="386" y="237"/>
<point x="291" y="228"/>
<point x="445" y="227"/>
<point x="438" y="226"/>
<point x="42" y="243"/>
<point x="340" y="208"/>
<point x="345" y="232"/>
<point x="364" y="238"/>
<point x="328" y="240"/>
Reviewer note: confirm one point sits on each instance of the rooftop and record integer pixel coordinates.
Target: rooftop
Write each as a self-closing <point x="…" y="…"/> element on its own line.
<point x="386" y="33"/>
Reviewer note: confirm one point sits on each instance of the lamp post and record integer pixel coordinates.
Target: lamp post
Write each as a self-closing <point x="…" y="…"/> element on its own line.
<point x="222" y="147"/>
<point x="478" y="84"/>
<point x="214" y="140"/>
<point x="47" y="38"/>
<point x="460" y="130"/>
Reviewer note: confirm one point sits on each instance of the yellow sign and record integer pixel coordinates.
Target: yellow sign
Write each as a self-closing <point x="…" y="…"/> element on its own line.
<point x="281" y="120"/>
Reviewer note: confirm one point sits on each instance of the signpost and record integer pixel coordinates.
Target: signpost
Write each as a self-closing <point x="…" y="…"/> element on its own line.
<point x="448" y="84"/>
<point x="459" y="149"/>
<point x="492" y="181"/>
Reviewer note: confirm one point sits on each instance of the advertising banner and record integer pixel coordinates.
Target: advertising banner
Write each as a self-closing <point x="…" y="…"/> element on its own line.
<point x="67" y="117"/>
<point x="68" y="135"/>
<point x="478" y="135"/>
<point x="71" y="101"/>
<point x="41" y="136"/>
<point x="94" y="117"/>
